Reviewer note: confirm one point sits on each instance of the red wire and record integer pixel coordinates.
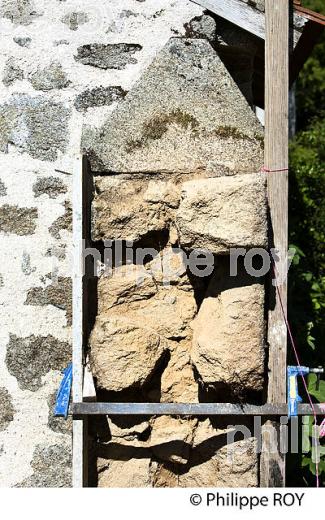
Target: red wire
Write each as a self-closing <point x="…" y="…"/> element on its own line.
<point x="267" y="170"/>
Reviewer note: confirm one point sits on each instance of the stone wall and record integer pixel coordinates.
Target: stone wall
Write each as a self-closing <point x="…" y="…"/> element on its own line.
<point x="80" y="75"/>
<point x="177" y="171"/>
<point x="63" y="63"/>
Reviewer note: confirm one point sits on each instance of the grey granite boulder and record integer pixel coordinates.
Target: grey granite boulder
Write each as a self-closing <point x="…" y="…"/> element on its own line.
<point x="185" y="115"/>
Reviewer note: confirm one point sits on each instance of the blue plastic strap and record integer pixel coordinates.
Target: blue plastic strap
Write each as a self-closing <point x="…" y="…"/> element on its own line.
<point x="63" y="396"/>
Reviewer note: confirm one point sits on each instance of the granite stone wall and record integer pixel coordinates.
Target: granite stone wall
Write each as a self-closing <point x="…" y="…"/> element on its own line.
<point x="177" y="170"/>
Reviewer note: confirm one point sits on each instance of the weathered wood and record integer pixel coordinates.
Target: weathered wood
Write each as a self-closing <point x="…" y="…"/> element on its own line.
<point x="276" y="158"/>
<point x="204" y="409"/>
<point x="77" y="342"/>
<point x="244" y="16"/>
<point x="81" y="217"/>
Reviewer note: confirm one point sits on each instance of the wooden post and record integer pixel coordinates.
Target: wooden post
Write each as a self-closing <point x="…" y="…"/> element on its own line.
<point x="276" y="158"/>
<point x="82" y="270"/>
<point x="77" y="341"/>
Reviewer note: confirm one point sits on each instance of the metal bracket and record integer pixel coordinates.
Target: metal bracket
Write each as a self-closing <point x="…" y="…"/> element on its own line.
<point x="80" y="409"/>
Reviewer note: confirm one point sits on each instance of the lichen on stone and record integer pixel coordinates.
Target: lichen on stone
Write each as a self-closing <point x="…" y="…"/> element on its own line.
<point x="29" y="359"/>
<point x="18" y="221"/>
<point x="201" y="27"/>
<point x="12" y="72"/>
<point x="99" y="96"/>
<point x="26" y="267"/>
<point x="49" y="78"/>
<point x="3" y="189"/>
<point x="74" y="19"/>
<point x="23" y="41"/>
<point x="52" y="467"/>
<point x="156" y="127"/>
<point x="7" y="410"/>
<point x="19" y="12"/>
<point x="58" y="294"/>
<point x="51" y="186"/>
<point x="108" y="56"/>
<point x="62" y="222"/>
<point x="167" y="121"/>
<point x="34" y="124"/>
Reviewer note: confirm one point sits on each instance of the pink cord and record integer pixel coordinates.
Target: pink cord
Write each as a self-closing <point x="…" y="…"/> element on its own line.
<point x="322" y="426"/>
<point x="267" y="170"/>
<point x="299" y="366"/>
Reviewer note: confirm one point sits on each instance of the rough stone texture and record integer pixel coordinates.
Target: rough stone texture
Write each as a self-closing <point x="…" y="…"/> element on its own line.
<point x="162" y="191"/>
<point x="40" y="141"/>
<point x="185" y="115"/>
<point x="202" y="27"/>
<point x="171" y="439"/>
<point x="58" y="293"/>
<point x="138" y="316"/>
<point x="29" y="359"/>
<point x="239" y="463"/>
<point x="49" y="78"/>
<point x="128" y="284"/>
<point x="50" y="186"/>
<point x="58" y="424"/>
<point x="74" y="19"/>
<point x="26" y="266"/>
<point x="98" y="97"/>
<point x="214" y="214"/>
<point x="132" y="473"/>
<point x="3" y="189"/>
<point x="34" y="125"/>
<point x="236" y="47"/>
<point x="6" y="409"/>
<point x="228" y="339"/>
<point x="124" y="355"/>
<point x="52" y="467"/>
<point x="19" y="221"/>
<point x="178" y="384"/>
<point x="121" y="429"/>
<point x="20" y="12"/>
<point x="216" y="464"/>
<point x="23" y="41"/>
<point x="128" y="210"/>
<point x="109" y="56"/>
<point x="64" y="222"/>
<point x="217" y="214"/>
<point x="12" y="72"/>
<point x="180" y="453"/>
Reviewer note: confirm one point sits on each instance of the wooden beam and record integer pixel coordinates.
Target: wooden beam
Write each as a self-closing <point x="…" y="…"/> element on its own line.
<point x="243" y="15"/>
<point x="82" y="271"/>
<point x="276" y="158"/>
<point x="77" y="327"/>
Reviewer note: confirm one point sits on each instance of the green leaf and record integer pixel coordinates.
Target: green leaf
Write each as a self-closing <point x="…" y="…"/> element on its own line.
<point x="318" y="394"/>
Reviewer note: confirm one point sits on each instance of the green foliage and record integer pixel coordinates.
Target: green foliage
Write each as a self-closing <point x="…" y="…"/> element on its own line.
<point x="315" y="5"/>
<point x="307" y="234"/>
<point x="312" y="451"/>
<point x="311" y="82"/>
<point x="311" y="86"/>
